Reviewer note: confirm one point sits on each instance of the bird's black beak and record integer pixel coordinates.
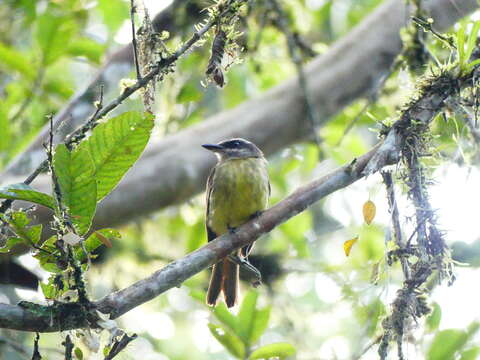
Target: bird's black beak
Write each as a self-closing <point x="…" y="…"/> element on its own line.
<point x="213" y="147"/>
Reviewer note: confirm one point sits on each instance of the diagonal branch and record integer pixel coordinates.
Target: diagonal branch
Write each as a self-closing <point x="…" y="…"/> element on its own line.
<point x="175" y="168"/>
<point x="118" y="303"/>
<point x="429" y="103"/>
<point x="20" y="317"/>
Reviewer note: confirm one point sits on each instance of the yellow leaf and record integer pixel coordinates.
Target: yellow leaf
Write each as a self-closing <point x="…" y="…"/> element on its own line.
<point x="347" y="245"/>
<point x="369" y="210"/>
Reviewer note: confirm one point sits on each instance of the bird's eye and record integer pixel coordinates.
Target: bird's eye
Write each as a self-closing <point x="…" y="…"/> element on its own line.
<point x="236" y="143"/>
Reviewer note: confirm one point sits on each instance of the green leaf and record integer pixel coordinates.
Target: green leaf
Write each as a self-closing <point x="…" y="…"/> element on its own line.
<point x="53" y="35"/>
<point x="196" y="236"/>
<point x="189" y="93"/>
<point x="19" y="222"/>
<point x="232" y="343"/>
<point x="55" y="286"/>
<point x="470" y="354"/>
<point x="224" y="316"/>
<point x="114" y="13"/>
<point x="88" y="48"/>
<point x="461" y="43"/>
<point x="24" y="192"/>
<point x="12" y="59"/>
<point x="74" y="172"/>
<point x="277" y="350"/>
<point x="5" y="130"/>
<point x="260" y="323"/>
<point x="246" y="316"/>
<point x="295" y="230"/>
<point x="78" y="353"/>
<point x="10" y="243"/>
<point x="472" y="39"/>
<point x="97" y="239"/>
<point x="446" y="343"/>
<point x="46" y="257"/>
<point x="433" y="320"/>
<point x="115" y="145"/>
<point x="470" y="65"/>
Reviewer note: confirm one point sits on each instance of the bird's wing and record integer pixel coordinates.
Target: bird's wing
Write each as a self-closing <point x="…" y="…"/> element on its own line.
<point x="210" y="233"/>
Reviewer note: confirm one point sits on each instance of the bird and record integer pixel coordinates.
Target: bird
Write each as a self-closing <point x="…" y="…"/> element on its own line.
<point x="238" y="189"/>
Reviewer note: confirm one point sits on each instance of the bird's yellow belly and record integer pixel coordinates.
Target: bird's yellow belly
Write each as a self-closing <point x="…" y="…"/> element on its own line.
<point x="240" y="189"/>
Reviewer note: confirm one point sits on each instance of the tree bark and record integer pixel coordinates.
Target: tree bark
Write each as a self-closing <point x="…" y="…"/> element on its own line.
<point x="175" y="168"/>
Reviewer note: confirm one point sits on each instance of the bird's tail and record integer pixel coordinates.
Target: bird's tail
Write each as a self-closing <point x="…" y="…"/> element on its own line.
<point x="224" y="278"/>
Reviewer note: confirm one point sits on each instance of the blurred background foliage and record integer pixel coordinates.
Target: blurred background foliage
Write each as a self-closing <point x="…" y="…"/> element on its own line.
<point x="316" y="302"/>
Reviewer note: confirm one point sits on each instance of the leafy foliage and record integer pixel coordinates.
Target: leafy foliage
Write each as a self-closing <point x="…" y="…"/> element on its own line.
<point x="316" y="283"/>
<point x="74" y="172"/>
<point x="114" y="146"/>
<point x="239" y="333"/>
<point x="25" y="192"/>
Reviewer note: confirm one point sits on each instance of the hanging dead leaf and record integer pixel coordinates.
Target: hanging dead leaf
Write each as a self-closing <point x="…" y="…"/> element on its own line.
<point x="369" y="210"/>
<point x="106" y="241"/>
<point x="347" y="245"/>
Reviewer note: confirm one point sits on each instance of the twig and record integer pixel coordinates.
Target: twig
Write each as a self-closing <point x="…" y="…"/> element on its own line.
<point x="68" y="344"/>
<point x="134" y="39"/>
<point x="36" y="354"/>
<point x="29" y="98"/>
<point x="119" y="345"/>
<point x="118" y="303"/>
<point x="392" y="203"/>
<point x="92" y="122"/>
<point x="368" y="347"/>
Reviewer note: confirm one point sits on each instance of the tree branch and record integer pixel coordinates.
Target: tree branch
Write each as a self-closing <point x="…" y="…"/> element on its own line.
<point x="18" y="317"/>
<point x="176" y="167"/>
<point x="175" y="19"/>
<point x="161" y="66"/>
<point x="430" y="101"/>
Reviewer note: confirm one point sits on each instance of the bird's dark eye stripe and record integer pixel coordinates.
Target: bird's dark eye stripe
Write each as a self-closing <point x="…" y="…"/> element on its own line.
<point x="232" y="144"/>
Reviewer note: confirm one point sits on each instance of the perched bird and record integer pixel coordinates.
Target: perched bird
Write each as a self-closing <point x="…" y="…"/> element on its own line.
<point x="237" y="190"/>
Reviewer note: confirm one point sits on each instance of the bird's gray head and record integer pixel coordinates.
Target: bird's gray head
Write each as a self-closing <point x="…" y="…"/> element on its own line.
<point x="234" y="149"/>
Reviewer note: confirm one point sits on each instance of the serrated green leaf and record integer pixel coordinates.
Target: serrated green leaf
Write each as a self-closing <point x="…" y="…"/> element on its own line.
<point x="433" y="320"/>
<point x="24" y="192"/>
<point x="260" y="323"/>
<point x="231" y="342"/>
<point x="277" y="350"/>
<point x="115" y="145"/>
<point x="225" y="317"/>
<point x="446" y="344"/>
<point x="53" y="35"/>
<point x="246" y="316"/>
<point x="74" y="172"/>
